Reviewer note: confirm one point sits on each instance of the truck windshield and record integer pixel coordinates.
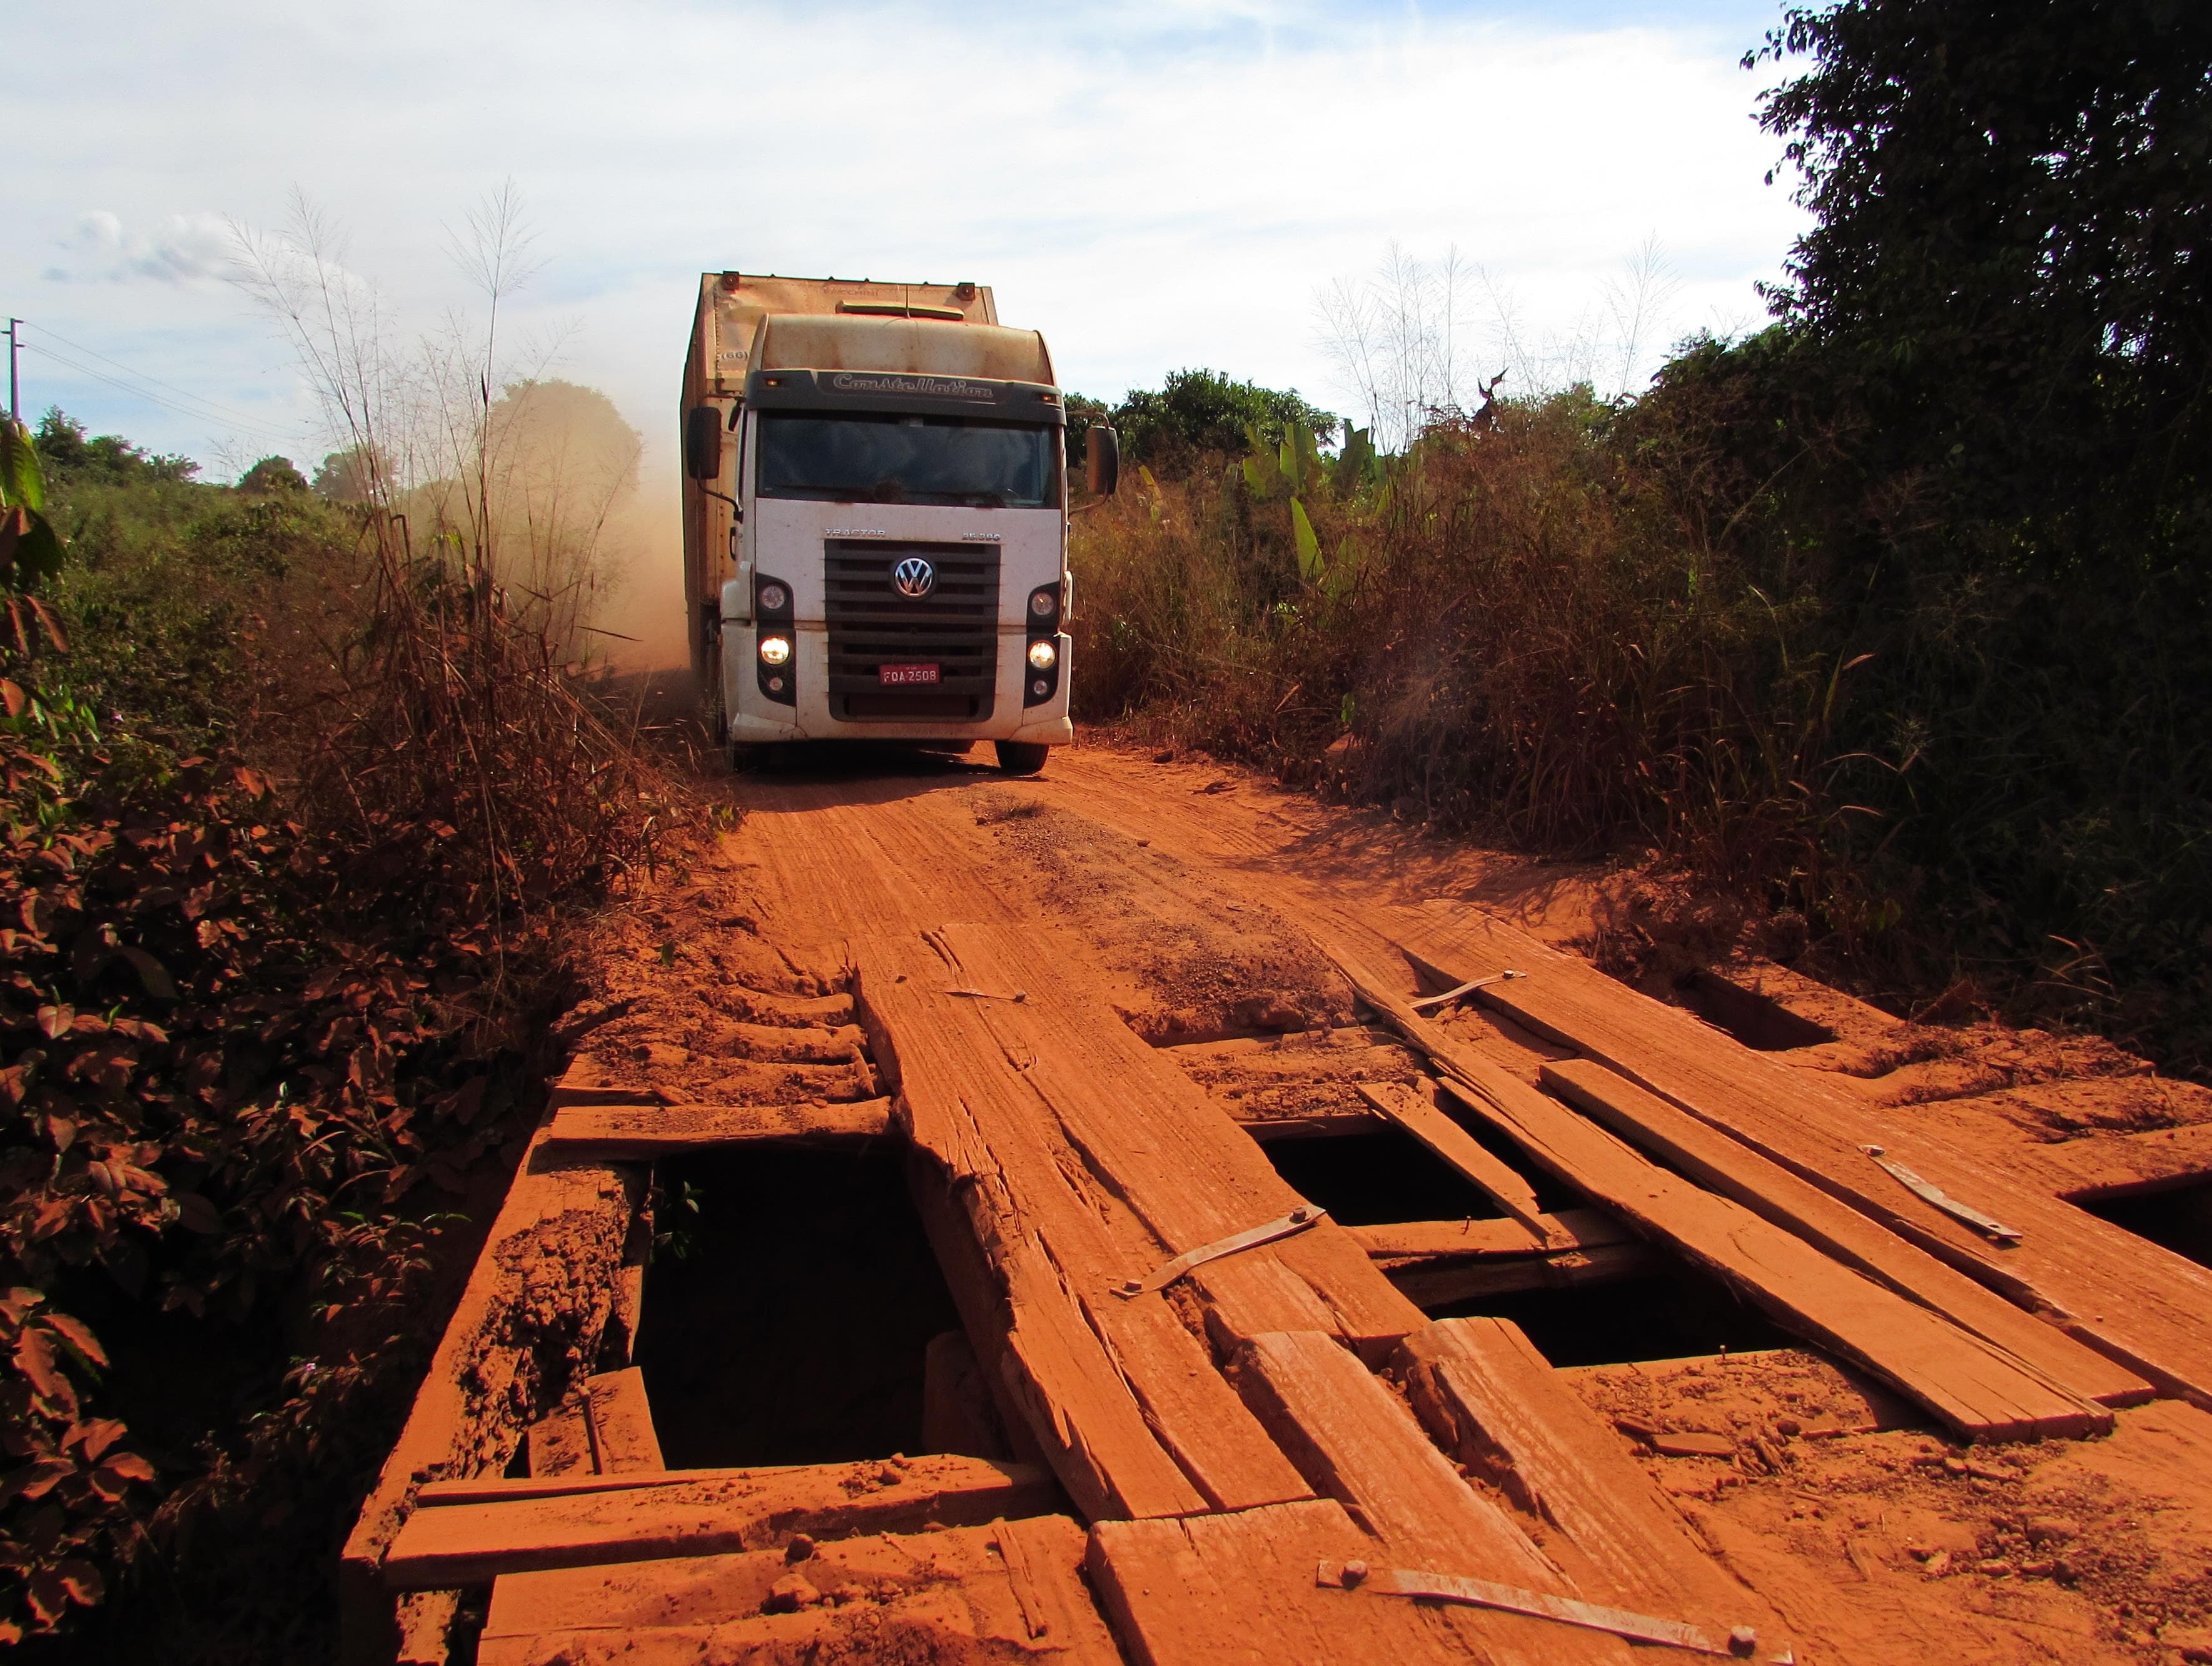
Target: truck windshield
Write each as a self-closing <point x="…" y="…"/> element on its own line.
<point x="870" y="459"/>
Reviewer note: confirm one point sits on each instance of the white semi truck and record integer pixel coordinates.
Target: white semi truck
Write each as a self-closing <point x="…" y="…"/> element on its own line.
<point x="875" y="526"/>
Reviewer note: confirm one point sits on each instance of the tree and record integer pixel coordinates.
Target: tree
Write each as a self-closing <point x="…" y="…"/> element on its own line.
<point x="2012" y="255"/>
<point x="1198" y="413"/>
<point x="349" y="475"/>
<point x="62" y="444"/>
<point x="272" y="475"/>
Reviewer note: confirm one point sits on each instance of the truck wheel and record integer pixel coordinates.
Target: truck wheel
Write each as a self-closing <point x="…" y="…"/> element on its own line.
<point x="1020" y="757"/>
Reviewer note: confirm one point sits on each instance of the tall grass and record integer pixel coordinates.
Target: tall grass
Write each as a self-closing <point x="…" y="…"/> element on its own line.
<point x="1509" y="631"/>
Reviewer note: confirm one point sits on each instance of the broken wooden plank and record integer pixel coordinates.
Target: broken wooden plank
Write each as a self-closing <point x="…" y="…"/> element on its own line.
<point x="1164" y="1147"/>
<point x="483" y="1386"/>
<point x="633" y="1133"/>
<point x="2137" y="1303"/>
<point x="1494" y="1403"/>
<point x="1770" y="1191"/>
<point x="1358" y="1444"/>
<point x="1434" y="1281"/>
<point x="623" y="1441"/>
<point x="1239" y="1588"/>
<point x="1494" y="1178"/>
<point x="1436" y="1262"/>
<point x="1975" y="1388"/>
<point x="1007" y="1591"/>
<point x="1119" y="1396"/>
<point x="701" y="1512"/>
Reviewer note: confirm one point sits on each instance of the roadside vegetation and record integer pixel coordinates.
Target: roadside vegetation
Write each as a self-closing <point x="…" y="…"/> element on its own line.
<point x="1885" y="626"/>
<point x="302" y="793"/>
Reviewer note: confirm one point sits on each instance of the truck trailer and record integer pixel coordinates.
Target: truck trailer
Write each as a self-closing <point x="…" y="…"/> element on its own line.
<point x="875" y="525"/>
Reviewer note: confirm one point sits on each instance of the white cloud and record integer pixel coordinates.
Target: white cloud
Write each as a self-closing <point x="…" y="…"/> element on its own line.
<point x="188" y="248"/>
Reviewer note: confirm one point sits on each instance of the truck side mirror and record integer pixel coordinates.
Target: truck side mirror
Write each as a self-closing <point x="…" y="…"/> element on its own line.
<point x="1102" y="462"/>
<point x="703" y="443"/>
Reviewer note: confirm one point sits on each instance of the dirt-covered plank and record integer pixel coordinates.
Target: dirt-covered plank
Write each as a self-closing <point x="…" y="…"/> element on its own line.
<point x="2137" y="1303"/>
<point x="702" y="1512"/>
<point x="1713" y="1159"/>
<point x="1241" y="1589"/>
<point x="1980" y="1390"/>
<point x="1158" y="1142"/>
<point x="1011" y="1591"/>
<point x="1496" y="1405"/>
<point x="1118" y="1394"/>
<point x="646" y="1133"/>
<point x="1358" y="1444"/>
<point x="531" y="1318"/>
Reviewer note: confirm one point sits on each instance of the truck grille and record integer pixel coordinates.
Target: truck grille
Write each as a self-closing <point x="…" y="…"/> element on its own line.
<point x="955" y="628"/>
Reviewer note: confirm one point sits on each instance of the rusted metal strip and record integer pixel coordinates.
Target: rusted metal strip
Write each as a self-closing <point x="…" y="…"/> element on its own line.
<point x="1283" y="1226"/>
<point x="1465" y="988"/>
<point x="1741" y="1644"/>
<point x="1985" y="1224"/>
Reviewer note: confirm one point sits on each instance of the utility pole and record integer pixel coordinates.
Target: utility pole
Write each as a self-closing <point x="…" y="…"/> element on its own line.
<point x="14" y="404"/>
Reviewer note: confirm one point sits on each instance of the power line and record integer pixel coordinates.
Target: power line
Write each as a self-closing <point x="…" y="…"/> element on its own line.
<point x="199" y="409"/>
<point x="172" y="406"/>
<point x="229" y="412"/>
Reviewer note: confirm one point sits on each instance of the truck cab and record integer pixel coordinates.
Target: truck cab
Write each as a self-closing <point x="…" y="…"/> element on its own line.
<point x="876" y="522"/>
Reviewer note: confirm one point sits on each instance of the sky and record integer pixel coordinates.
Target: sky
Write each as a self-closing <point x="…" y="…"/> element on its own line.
<point x="1157" y="185"/>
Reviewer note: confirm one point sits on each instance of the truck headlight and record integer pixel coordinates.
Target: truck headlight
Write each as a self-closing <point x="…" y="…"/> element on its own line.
<point x="1041" y="655"/>
<point x="775" y="651"/>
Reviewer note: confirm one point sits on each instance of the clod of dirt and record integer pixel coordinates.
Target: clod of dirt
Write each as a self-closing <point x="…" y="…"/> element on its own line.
<point x="790" y="1594"/>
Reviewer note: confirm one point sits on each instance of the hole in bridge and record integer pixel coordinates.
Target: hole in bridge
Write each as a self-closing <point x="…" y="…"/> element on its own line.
<point x="1387" y="1177"/>
<point x="2179" y="1219"/>
<point x="1756" y="1020"/>
<point x="1670" y="1316"/>
<point x="786" y="1320"/>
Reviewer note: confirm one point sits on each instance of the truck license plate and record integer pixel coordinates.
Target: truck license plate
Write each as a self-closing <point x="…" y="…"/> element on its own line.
<point x="889" y="676"/>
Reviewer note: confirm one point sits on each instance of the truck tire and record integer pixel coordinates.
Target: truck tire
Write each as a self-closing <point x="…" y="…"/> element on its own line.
<point x="1020" y="757"/>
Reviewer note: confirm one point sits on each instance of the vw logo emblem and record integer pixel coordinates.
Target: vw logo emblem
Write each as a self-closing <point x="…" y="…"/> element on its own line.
<point x="914" y="577"/>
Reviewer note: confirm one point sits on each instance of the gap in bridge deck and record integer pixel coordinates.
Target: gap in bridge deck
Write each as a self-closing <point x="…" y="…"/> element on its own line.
<point x="2179" y="1220"/>
<point x="1676" y="1315"/>
<point x="793" y="1326"/>
<point x="1382" y="1179"/>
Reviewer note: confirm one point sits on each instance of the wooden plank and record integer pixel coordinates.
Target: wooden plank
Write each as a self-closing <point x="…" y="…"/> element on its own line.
<point x="1119" y="1396"/>
<point x="1580" y="1229"/>
<point x="1491" y="1402"/>
<point x="633" y="1133"/>
<point x="1356" y="1443"/>
<point x="1770" y="1191"/>
<point x="2102" y="1166"/>
<point x="623" y="1441"/>
<point x="1495" y="1179"/>
<point x="696" y="1513"/>
<point x="1266" y="1127"/>
<point x="481" y="1389"/>
<point x="2130" y="1300"/>
<point x="560" y="1443"/>
<point x="1976" y="1389"/>
<point x="1433" y="1281"/>
<point x="1166" y="1147"/>
<point x="1238" y="1590"/>
<point x="1006" y="1591"/>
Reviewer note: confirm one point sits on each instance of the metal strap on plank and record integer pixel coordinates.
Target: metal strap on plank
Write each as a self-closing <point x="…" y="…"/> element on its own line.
<point x="1298" y="1220"/>
<point x="1741" y="1644"/>
<point x="1988" y="1226"/>
<point x="1465" y="988"/>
